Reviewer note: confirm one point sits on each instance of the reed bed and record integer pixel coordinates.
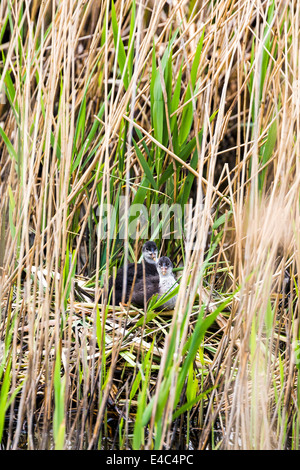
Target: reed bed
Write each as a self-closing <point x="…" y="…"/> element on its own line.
<point x="108" y="106"/>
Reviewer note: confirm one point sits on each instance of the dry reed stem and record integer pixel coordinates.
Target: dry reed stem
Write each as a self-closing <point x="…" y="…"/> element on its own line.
<point x="254" y="380"/>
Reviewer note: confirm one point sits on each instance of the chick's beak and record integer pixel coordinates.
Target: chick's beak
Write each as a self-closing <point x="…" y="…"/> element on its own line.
<point x="164" y="270"/>
<point x="153" y="256"/>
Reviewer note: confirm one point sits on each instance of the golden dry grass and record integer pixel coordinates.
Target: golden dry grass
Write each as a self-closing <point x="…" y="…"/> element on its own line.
<point x="78" y="123"/>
